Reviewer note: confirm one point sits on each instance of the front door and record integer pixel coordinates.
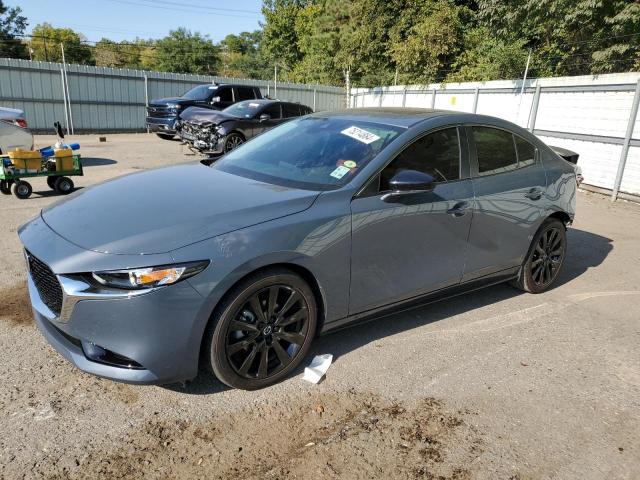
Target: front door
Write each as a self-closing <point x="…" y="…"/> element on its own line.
<point x="413" y="243"/>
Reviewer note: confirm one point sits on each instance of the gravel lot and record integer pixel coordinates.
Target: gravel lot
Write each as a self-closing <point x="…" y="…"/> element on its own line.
<point x="495" y="384"/>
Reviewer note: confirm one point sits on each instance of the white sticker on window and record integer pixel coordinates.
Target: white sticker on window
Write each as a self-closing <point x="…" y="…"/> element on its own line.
<point x="340" y="172"/>
<point x="254" y="105"/>
<point x="360" y="134"/>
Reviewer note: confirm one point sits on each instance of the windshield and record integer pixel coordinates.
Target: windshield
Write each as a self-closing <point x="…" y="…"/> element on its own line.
<point x="310" y="152"/>
<point x="246" y="109"/>
<point x="201" y="92"/>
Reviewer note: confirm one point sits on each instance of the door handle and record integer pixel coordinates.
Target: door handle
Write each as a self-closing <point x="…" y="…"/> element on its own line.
<point x="534" y="194"/>
<point x="459" y="209"/>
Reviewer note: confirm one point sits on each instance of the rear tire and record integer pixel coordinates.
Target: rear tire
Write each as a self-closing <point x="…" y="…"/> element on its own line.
<point x="5" y="187"/>
<point x="545" y="258"/>
<point x="262" y="330"/>
<point x="22" y="189"/>
<point x="63" y="185"/>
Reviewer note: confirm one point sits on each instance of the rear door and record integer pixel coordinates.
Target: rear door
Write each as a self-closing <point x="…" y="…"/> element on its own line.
<point x="410" y="245"/>
<point x="510" y="184"/>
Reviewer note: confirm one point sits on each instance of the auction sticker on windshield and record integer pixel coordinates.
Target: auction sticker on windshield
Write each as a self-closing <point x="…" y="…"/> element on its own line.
<point x="360" y="134"/>
<point x="340" y="172"/>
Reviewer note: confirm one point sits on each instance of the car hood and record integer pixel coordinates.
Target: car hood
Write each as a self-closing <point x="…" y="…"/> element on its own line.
<point x="200" y="115"/>
<point x="160" y="210"/>
<point x="163" y="102"/>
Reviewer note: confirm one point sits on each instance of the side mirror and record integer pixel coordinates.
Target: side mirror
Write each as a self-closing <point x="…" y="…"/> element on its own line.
<point x="265" y="117"/>
<point x="409" y="181"/>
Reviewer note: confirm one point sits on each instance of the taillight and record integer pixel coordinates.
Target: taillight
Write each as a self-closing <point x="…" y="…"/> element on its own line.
<point x="21" y="122"/>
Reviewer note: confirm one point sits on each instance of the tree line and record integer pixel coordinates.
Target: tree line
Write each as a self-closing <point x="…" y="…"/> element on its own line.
<point x="371" y="42"/>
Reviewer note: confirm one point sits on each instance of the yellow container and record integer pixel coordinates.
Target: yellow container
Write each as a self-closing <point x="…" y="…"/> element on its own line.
<point x="64" y="159"/>
<point x="26" y="161"/>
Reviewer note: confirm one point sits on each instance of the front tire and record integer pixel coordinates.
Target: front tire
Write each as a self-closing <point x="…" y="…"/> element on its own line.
<point x="63" y="185"/>
<point x="233" y="140"/>
<point x="262" y="331"/>
<point x="545" y="258"/>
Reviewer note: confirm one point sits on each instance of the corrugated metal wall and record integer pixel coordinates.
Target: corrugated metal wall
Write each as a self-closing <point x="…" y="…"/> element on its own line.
<point x="108" y="99"/>
<point x="589" y="115"/>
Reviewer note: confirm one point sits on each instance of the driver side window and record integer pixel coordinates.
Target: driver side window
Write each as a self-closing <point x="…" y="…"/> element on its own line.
<point x="273" y="111"/>
<point x="437" y="154"/>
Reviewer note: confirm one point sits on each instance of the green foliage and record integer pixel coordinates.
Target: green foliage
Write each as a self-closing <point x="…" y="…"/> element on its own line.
<point x="241" y="56"/>
<point x="12" y="25"/>
<point x="185" y="52"/>
<point x="46" y="41"/>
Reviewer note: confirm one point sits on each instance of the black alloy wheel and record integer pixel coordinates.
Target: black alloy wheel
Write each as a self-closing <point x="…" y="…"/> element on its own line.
<point x="232" y="141"/>
<point x="264" y="331"/>
<point x="545" y="258"/>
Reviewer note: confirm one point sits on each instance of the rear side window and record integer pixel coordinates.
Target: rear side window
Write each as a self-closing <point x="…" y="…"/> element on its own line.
<point x="437" y="154"/>
<point x="273" y="111"/>
<point x="526" y="152"/>
<point x="495" y="149"/>
<point x="290" y="110"/>
<point x="245" y="93"/>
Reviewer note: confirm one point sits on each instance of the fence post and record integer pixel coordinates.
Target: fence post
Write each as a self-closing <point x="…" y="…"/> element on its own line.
<point x="64" y="101"/>
<point x="627" y="140"/>
<point x="404" y="96"/>
<point x="380" y="100"/>
<point x="433" y="99"/>
<point x="146" y="97"/>
<point x="314" y="99"/>
<point x="534" y="108"/>
<point x="475" y="100"/>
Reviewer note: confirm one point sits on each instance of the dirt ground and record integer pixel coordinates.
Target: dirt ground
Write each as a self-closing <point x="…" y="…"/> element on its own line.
<point x="495" y="384"/>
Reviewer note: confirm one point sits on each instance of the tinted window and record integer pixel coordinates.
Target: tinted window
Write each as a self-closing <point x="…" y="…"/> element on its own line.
<point x="246" y="109"/>
<point x="225" y="94"/>
<point x="273" y="111"/>
<point x="245" y="93"/>
<point x="437" y="154"/>
<point x="290" y="110"/>
<point x="526" y="152"/>
<point x="201" y="92"/>
<point x="495" y="149"/>
<point x="310" y="152"/>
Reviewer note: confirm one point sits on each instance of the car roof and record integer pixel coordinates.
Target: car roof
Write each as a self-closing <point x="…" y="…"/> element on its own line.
<point x="395" y="116"/>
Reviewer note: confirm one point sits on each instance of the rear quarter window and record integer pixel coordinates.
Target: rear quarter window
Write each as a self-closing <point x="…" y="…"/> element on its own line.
<point x="495" y="150"/>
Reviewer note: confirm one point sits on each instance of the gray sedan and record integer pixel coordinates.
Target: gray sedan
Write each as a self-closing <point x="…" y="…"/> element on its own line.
<point x="326" y="220"/>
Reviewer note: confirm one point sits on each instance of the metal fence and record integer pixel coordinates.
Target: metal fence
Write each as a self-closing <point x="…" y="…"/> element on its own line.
<point x="596" y="116"/>
<point x="113" y="100"/>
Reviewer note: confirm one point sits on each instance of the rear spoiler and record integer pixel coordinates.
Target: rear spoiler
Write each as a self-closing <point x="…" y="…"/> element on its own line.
<point x="568" y="155"/>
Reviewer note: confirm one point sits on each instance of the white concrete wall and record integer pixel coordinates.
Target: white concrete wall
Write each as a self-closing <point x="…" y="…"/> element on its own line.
<point x="603" y="113"/>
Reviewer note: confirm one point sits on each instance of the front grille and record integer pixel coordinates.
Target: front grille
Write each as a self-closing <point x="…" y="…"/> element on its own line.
<point x="47" y="284"/>
<point x="160" y="112"/>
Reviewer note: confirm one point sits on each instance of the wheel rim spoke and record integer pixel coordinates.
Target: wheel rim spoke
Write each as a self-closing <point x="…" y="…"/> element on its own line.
<point x="273" y="298"/>
<point x="256" y="308"/>
<point x="242" y="344"/>
<point x="242" y="326"/>
<point x="296" y="338"/>
<point x="264" y="361"/>
<point x="246" y="365"/>
<point x="283" y="356"/>
<point x="293" y="298"/>
<point x="296" y="317"/>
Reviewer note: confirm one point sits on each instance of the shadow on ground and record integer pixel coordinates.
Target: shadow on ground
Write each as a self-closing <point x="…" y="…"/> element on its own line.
<point x="585" y="250"/>
<point x="97" y="162"/>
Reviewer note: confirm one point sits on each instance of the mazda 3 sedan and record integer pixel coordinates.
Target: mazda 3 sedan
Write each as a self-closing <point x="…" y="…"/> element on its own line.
<point x="321" y="222"/>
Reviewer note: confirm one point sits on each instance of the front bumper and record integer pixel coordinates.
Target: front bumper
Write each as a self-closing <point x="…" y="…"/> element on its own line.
<point x="159" y="331"/>
<point x="162" y="125"/>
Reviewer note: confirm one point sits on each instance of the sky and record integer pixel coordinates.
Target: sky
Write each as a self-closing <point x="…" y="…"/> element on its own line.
<point x="127" y="19"/>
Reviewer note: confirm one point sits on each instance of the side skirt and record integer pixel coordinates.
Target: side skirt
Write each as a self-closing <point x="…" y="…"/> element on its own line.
<point x="416" y="302"/>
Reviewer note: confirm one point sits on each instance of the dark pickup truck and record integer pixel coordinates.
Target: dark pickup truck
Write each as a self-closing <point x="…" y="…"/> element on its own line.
<point x="163" y="112"/>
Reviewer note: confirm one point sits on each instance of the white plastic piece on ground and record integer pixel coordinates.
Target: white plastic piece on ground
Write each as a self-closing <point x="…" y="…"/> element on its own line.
<point x="317" y="368"/>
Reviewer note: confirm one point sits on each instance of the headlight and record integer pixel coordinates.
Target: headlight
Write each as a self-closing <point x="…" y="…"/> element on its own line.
<point x="149" y="277"/>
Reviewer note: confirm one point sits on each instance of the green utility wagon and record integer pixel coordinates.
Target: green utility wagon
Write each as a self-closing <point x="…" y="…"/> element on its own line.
<point x="15" y="170"/>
